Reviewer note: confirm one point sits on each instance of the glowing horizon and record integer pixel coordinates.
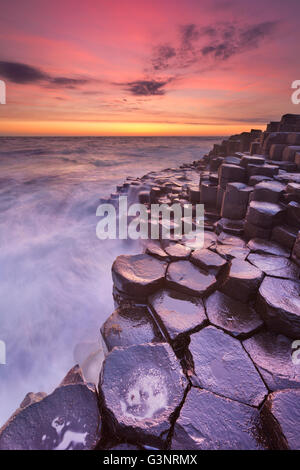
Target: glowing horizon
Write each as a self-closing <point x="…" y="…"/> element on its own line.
<point x="215" y="67"/>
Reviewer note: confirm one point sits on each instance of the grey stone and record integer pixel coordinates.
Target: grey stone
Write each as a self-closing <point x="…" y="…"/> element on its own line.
<point x="222" y="366"/>
<point x="140" y="388"/>
<point x="210" y="422"/>
<point x="278" y="303"/>
<point x="237" y="318"/>
<point x="271" y="353"/>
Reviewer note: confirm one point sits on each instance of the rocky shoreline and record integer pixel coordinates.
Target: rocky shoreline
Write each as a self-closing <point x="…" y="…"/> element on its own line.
<point x="200" y="347"/>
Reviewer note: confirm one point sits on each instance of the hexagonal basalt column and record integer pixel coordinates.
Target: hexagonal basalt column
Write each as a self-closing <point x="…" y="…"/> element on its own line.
<point x="187" y="278"/>
<point x="178" y="313"/>
<point x="210" y="422"/>
<point x="68" y="419"/>
<point x="138" y="275"/>
<point x="243" y="280"/>
<point x="271" y="353"/>
<point x="278" y="303"/>
<point x="140" y="387"/>
<point x="239" y="319"/>
<point x="280" y="417"/>
<point x="222" y="366"/>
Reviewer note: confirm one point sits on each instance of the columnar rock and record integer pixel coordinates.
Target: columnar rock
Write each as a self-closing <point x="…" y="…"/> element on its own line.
<point x="208" y="193"/>
<point x="261" y="246"/>
<point x="293" y="192"/>
<point x="280" y="418"/>
<point x="297" y="160"/>
<point x="138" y="275"/>
<point x="211" y="422"/>
<point x="261" y="217"/>
<point x="67" y="419"/>
<point x="268" y="191"/>
<point x="271" y="353"/>
<point x="235" y="201"/>
<point x="276" y="151"/>
<point x="278" y="303"/>
<point x="176" y="251"/>
<point x="293" y="138"/>
<point x="154" y="248"/>
<point x="129" y="325"/>
<point x="284" y="235"/>
<point x="296" y="250"/>
<point x="187" y="278"/>
<point x="243" y="280"/>
<point x="252" y="160"/>
<point x="231" y="173"/>
<point x="264" y="170"/>
<point x="222" y="366"/>
<point x="230" y="226"/>
<point x="178" y="314"/>
<point x="277" y="266"/>
<point x="220" y="195"/>
<point x="289" y="153"/>
<point x="254" y="148"/>
<point x="140" y="388"/>
<point x="238" y="319"/>
<point x="293" y="214"/>
<point x="208" y="260"/>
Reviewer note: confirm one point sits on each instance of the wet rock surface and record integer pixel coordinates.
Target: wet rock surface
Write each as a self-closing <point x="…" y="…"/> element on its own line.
<point x="208" y="260"/>
<point x="67" y="419"/>
<point x="265" y="247"/>
<point x="189" y="279"/>
<point x="276" y="266"/>
<point x="138" y="275"/>
<point x="222" y="366"/>
<point x="279" y="305"/>
<point x="211" y="422"/>
<point x="177" y="252"/>
<point x="280" y="416"/>
<point x="140" y="387"/>
<point x="238" y="319"/>
<point x="243" y="280"/>
<point x="251" y="194"/>
<point x="129" y="325"/>
<point x="178" y="313"/>
<point x="271" y="353"/>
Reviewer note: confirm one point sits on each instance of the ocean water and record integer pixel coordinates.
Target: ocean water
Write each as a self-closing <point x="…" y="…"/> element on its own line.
<point x="55" y="275"/>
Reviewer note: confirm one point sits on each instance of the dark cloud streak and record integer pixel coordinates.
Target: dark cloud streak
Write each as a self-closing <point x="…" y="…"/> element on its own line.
<point x="146" y="87"/>
<point x="23" y="74"/>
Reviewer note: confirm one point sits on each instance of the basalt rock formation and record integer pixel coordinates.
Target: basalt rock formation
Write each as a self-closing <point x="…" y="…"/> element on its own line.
<point x="200" y="348"/>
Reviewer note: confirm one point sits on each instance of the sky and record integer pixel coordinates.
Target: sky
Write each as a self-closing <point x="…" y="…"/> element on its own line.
<point x="147" y="67"/>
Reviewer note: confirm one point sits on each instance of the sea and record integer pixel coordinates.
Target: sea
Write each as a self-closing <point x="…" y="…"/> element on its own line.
<point x="55" y="274"/>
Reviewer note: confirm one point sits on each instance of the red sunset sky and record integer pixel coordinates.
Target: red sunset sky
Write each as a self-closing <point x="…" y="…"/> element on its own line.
<point x="136" y="67"/>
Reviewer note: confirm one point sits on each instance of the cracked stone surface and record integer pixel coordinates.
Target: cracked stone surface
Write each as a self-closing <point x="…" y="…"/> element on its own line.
<point x="243" y="280"/>
<point x="231" y="251"/>
<point x="138" y="275"/>
<point x="177" y="312"/>
<point x="178" y="251"/>
<point x="240" y="320"/>
<point x="222" y="366"/>
<point x="281" y="419"/>
<point x="271" y="353"/>
<point x="210" y="422"/>
<point x="189" y="279"/>
<point x="140" y="387"/>
<point x="265" y="247"/>
<point x="67" y="419"/>
<point x="154" y="249"/>
<point x="278" y="303"/>
<point x="276" y="266"/>
<point x="129" y="325"/>
<point x="208" y="260"/>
